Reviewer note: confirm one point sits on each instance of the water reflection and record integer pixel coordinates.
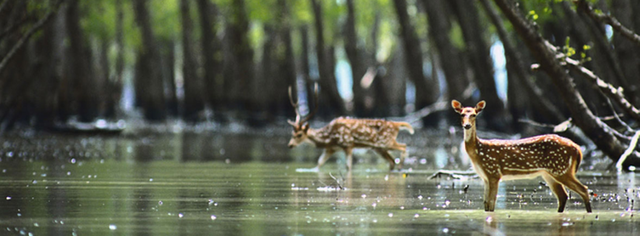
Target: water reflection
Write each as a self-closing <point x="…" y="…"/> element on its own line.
<point x="220" y="184"/>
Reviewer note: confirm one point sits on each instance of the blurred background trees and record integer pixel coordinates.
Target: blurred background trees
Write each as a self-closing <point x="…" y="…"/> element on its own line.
<point x="232" y="60"/>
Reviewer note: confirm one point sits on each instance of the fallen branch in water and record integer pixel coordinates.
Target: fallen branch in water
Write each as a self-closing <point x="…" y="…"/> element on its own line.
<point x="456" y="174"/>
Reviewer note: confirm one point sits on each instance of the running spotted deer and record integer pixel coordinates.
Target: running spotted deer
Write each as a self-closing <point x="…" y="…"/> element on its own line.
<point x="345" y="134"/>
<point x="554" y="158"/>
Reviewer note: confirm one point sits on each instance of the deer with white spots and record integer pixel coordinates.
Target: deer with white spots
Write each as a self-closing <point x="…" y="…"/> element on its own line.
<point x="345" y="134"/>
<point x="554" y="158"/>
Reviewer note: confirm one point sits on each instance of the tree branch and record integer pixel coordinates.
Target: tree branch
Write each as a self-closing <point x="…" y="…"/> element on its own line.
<point x="25" y="38"/>
<point x="610" y="20"/>
<point x="12" y="27"/>
<point x="594" y="128"/>
<point x="615" y="94"/>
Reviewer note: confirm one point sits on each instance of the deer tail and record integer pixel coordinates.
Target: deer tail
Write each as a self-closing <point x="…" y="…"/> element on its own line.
<point x="578" y="160"/>
<point x="405" y="126"/>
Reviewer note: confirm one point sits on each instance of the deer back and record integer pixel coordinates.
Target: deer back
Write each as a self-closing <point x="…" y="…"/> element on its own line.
<point x="360" y="132"/>
<point x="552" y="153"/>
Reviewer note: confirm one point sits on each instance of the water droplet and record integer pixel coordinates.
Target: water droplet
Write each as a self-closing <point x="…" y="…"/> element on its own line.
<point x="36" y="224"/>
<point x="151" y="180"/>
<point x="401" y="207"/>
<point x="180" y="215"/>
<point x="211" y="201"/>
<point x="73" y="161"/>
<point x="363" y="196"/>
<point x="160" y="203"/>
<point x="9" y="154"/>
<point x="420" y="197"/>
<point x="113" y="227"/>
<point x="390" y="214"/>
<point x="489" y="219"/>
<point x="416" y="215"/>
<point x="213" y="217"/>
<point x="8" y="198"/>
<point x="374" y="205"/>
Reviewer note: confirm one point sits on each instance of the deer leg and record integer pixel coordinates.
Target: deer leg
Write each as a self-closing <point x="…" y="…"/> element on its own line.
<point x="558" y="189"/>
<point x="574" y="184"/>
<point x="326" y="154"/>
<point x="490" y="194"/>
<point x="385" y="154"/>
<point x="403" y="153"/>
<point x="349" y="153"/>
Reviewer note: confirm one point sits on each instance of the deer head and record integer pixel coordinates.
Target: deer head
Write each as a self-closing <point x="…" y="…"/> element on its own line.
<point x="468" y="113"/>
<point x="300" y="125"/>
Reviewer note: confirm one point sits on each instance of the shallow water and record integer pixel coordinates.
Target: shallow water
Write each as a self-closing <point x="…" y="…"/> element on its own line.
<point x="222" y="184"/>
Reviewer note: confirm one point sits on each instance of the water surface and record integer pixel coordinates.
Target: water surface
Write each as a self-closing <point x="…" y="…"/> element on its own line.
<point x="246" y="184"/>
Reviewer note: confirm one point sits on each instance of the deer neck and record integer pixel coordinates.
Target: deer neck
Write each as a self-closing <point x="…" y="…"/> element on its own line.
<point x="318" y="138"/>
<point x="471" y="140"/>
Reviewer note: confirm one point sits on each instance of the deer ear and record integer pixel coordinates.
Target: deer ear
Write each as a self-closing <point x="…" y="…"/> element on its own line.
<point x="457" y="106"/>
<point x="480" y="106"/>
<point x="305" y="127"/>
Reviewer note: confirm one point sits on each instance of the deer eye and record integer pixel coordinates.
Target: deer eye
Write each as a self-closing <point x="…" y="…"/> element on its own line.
<point x="473" y="115"/>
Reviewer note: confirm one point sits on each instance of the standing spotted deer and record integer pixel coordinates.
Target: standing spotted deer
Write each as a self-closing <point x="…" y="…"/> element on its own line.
<point x="554" y="158"/>
<point x="345" y="134"/>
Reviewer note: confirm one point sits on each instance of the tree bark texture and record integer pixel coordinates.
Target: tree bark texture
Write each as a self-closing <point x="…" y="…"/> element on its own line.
<point x="331" y="104"/>
<point x="426" y="93"/>
<point x="477" y="50"/>
<point x="149" y="81"/>
<point x="520" y="85"/>
<point x="453" y="66"/>
<point x="193" y="102"/>
<point x="115" y="84"/>
<point x="627" y="52"/>
<point x="355" y="60"/>
<point x="214" y="83"/>
<point x="242" y="78"/>
<point x="80" y="73"/>
<point x="285" y="62"/>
